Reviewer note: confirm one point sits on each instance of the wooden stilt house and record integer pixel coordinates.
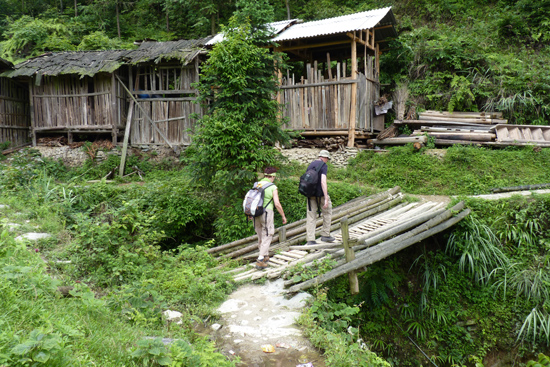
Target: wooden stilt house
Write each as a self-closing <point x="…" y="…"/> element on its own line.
<point x="336" y="91"/>
<point x="161" y="84"/>
<point x="14" y="108"/>
<point x="75" y="93"/>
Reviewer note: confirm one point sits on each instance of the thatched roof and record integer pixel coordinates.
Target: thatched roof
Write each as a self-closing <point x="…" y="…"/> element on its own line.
<point x="92" y="62"/>
<point x="5" y="64"/>
<point x="73" y="62"/>
<point x="183" y="50"/>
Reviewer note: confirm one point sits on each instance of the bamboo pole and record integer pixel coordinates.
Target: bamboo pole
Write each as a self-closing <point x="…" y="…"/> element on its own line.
<point x="302" y="229"/>
<point x="350" y="256"/>
<point x="352" y="117"/>
<point x="302" y="237"/>
<point x="126" y="138"/>
<point x="145" y="113"/>
<point x="375" y="198"/>
<point x="378" y="253"/>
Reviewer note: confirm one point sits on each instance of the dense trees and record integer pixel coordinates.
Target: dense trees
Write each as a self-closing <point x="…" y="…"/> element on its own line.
<point x="460" y="55"/>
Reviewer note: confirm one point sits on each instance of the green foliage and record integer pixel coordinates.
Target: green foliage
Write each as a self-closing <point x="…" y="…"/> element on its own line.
<point x="100" y="41"/>
<point x="29" y="36"/>
<point x="40" y="348"/>
<point x="234" y="140"/>
<point x="543" y="361"/>
<point x="461" y="171"/>
<point x="479" y="249"/>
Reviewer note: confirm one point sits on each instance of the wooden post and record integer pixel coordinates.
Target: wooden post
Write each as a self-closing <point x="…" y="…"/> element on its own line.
<point x="350" y="255"/>
<point x="146" y="114"/>
<point x="33" y="122"/>
<point x="329" y="65"/>
<point x="352" y="115"/>
<point x="282" y="234"/>
<point x="126" y="137"/>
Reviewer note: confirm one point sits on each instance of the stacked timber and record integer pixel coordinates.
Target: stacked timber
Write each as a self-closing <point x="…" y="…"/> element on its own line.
<point x="295" y="233"/>
<point x="332" y="143"/>
<point x="367" y="229"/>
<point x="448" y="128"/>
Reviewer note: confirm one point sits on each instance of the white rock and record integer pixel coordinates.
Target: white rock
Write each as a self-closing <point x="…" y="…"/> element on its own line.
<point x="174" y="316"/>
<point x="216" y="327"/>
<point x="32" y="236"/>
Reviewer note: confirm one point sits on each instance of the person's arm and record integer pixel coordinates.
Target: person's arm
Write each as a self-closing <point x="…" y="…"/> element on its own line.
<point x="325" y="190"/>
<point x="278" y="205"/>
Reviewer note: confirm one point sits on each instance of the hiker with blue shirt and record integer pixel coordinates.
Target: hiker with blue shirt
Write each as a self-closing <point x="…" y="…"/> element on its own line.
<point x="320" y="202"/>
<point x="264" y="224"/>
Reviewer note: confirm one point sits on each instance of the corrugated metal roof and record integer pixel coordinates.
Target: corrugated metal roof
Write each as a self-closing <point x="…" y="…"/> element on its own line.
<point x="276" y="27"/>
<point x="346" y="23"/>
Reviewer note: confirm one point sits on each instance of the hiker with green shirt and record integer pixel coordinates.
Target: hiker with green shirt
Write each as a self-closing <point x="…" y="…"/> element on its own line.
<point x="264" y="224"/>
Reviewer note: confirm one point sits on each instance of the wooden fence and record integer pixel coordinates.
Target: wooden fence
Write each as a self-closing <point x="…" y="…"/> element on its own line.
<point x="15" y="115"/>
<point x="319" y="104"/>
<point x="166" y="95"/>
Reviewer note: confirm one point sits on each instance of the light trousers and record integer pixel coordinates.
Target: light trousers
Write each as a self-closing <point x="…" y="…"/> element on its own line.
<point x="265" y="228"/>
<point x="312" y="217"/>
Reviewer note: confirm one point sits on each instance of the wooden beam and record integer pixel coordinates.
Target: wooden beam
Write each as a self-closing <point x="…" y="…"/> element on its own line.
<point x="348" y="81"/>
<point x="146" y="114"/>
<point x="314" y="45"/>
<point x="350" y="256"/>
<point x="352" y="117"/>
<point x="359" y="40"/>
<point x="126" y="138"/>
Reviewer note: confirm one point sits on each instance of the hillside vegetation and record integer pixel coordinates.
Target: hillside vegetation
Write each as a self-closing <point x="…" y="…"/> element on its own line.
<point x="477" y="293"/>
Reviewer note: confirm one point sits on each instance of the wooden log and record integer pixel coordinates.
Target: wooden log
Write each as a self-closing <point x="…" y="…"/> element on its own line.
<point x="370" y="200"/>
<point x="520" y="188"/>
<point x="378" y="253"/>
<point x="463" y="136"/>
<point x="302" y="237"/>
<point x="126" y="138"/>
<point x="350" y="256"/>
<point x="396" y="141"/>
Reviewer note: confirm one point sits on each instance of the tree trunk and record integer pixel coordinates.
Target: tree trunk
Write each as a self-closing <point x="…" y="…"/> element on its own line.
<point x="167" y="18"/>
<point x="287" y="9"/>
<point x="213" y="24"/>
<point x="75" y="9"/>
<point x="117" y="19"/>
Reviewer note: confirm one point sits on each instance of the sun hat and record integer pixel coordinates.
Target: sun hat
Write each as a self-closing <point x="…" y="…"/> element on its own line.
<point x="324" y="153"/>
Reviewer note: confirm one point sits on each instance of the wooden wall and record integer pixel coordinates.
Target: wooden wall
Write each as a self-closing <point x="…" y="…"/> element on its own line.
<point x="15" y="115"/>
<point x="68" y="101"/>
<point x="321" y="101"/>
<point x="166" y="95"/>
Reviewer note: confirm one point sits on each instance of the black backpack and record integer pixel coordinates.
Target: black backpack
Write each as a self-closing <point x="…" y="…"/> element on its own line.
<point x="309" y="181"/>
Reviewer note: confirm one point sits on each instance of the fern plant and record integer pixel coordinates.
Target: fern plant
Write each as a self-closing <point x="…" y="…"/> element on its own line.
<point x="479" y="249"/>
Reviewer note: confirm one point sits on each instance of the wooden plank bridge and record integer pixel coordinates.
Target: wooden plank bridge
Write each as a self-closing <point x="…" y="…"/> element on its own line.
<point x="367" y="230"/>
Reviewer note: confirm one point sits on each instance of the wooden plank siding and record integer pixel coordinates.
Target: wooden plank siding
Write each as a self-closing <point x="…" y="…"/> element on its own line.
<point x="319" y="104"/>
<point x="166" y="94"/>
<point x="67" y="100"/>
<point x="15" y="120"/>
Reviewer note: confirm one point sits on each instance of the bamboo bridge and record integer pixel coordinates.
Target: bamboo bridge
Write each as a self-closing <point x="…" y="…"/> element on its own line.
<point x="367" y="229"/>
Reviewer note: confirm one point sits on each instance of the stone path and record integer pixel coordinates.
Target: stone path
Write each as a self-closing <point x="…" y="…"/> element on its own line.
<point x="257" y="317"/>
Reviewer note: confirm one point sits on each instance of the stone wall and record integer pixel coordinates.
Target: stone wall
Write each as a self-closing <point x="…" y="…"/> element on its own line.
<point x="76" y="157"/>
<point x="307" y="155"/>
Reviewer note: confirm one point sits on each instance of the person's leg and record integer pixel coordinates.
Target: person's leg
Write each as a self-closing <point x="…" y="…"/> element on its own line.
<point x="268" y="229"/>
<point x="311" y="219"/>
<point x="327" y="217"/>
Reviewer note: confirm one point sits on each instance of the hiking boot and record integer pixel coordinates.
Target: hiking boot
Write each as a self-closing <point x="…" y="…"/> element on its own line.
<point x="266" y="259"/>
<point x="261" y="265"/>
<point x="327" y="239"/>
<point x="311" y="243"/>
